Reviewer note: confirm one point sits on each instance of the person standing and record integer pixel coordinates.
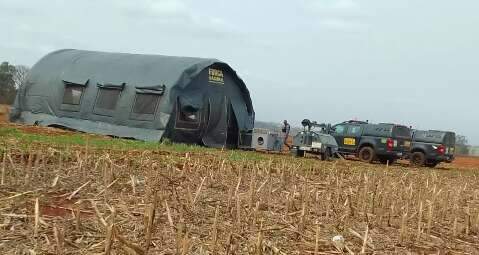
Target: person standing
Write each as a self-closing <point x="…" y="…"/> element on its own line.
<point x="286" y="128"/>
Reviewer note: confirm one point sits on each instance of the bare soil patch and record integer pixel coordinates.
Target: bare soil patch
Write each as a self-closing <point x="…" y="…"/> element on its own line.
<point x="4" y="113"/>
<point x="466" y="162"/>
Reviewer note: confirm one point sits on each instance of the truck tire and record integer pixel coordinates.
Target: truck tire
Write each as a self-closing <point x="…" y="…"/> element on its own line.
<point x="418" y="159"/>
<point x="431" y="164"/>
<point x="367" y="154"/>
<point x="326" y="155"/>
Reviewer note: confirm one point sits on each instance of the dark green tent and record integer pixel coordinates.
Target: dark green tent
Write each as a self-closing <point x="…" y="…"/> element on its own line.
<point x="146" y="97"/>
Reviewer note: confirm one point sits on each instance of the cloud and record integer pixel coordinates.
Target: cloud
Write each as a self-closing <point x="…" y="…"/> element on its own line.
<point x="336" y="14"/>
<point x="338" y="5"/>
<point x="342" y="24"/>
<point x="178" y="17"/>
<point x="149" y="8"/>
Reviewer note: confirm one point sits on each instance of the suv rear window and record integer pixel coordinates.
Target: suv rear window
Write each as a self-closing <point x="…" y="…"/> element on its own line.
<point x="402" y="131"/>
<point x="450" y="138"/>
<point x="433" y="136"/>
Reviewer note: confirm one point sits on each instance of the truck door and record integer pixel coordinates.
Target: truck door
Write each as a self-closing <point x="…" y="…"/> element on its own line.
<point x="352" y="137"/>
<point x="338" y="133"/>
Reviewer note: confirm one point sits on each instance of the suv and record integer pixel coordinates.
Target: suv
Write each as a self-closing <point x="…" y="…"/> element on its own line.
<point x="383" y="142"/>
<point x="429" y="148"/>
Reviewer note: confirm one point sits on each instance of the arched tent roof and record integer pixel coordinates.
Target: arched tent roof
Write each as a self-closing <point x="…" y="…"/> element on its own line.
<point x="129" y="70"/>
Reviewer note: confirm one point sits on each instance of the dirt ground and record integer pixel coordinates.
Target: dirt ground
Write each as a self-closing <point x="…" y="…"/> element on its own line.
<point x="4" y="112"/>
<point x="466" y="162"/>
<point x="36" y="129"/>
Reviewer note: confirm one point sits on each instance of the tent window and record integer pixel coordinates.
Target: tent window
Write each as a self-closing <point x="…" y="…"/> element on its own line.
<point x="187" y="116"/>
<point x="145" y="103"/>
<point x="73" y="94"/>
<point x="107" y="98"/>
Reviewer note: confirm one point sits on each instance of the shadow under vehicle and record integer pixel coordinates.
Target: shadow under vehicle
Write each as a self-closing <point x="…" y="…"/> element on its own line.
<point x="316" y="142"/>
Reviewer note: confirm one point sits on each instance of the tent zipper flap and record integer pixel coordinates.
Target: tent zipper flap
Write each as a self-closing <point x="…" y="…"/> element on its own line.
<point x="76" y="82"/>
<point x="106" y="85"/>
<point x="157" y="90"/>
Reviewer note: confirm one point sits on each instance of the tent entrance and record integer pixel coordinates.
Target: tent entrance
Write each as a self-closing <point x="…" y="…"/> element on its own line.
<point x="232" y="133"/>
<point x="221" y="125"/>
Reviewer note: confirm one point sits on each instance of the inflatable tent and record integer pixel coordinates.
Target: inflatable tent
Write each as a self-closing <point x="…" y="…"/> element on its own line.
<point x="145" y="97"/>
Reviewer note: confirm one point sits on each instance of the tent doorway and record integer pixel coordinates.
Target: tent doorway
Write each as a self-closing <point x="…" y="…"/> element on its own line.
<point x="232" y="133"/>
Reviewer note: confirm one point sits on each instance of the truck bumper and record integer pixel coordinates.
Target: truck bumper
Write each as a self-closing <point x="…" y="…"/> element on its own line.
<point x="442" y="158"/>
<point x="393" y="154"/>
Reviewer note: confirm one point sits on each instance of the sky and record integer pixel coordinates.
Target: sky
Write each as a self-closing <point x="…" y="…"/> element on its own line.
<point x="401" y="61"/>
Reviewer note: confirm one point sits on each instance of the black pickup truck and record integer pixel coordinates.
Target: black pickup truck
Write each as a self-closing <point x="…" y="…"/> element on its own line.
<point x="431" y="147"/>
<point x="383" y="142"/>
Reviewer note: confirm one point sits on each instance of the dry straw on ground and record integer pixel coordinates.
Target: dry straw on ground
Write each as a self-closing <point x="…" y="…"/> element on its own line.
<point x="81" y="200"/>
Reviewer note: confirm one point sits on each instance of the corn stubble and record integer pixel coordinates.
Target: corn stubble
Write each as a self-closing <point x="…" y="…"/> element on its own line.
<point x="81" y="200"/>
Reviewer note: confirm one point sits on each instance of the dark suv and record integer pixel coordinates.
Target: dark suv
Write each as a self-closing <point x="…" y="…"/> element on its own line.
<point x="383" y="142"/>
<point x="432" y="147"/>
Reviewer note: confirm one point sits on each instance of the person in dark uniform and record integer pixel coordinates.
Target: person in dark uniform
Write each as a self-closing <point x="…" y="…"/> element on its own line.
<point x="286" y="128"/>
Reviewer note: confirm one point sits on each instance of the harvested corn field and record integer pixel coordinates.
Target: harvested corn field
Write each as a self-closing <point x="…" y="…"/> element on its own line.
<point x="88" y="195"/>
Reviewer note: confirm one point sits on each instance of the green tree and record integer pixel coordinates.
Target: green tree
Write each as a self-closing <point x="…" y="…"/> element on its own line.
<point x="7" y="83"/>
<point x="462" y="145"/>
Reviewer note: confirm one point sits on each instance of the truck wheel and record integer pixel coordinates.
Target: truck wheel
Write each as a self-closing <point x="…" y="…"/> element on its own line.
<point x="326" y="155"/>
<point x="367" y="154"/>
<point x="432" y="164"/>
<point x="418" y="159"/>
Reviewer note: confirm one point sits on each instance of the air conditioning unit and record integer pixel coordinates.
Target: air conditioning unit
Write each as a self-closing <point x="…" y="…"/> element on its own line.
<point x="266" y="140"/>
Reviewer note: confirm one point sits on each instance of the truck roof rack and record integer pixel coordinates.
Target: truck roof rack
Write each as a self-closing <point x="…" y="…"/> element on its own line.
<point x="356" y="122"/>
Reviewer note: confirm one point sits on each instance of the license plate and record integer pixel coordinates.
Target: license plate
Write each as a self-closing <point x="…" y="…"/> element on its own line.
<point x="407" y="144"/>
<point x="350" y="141"/>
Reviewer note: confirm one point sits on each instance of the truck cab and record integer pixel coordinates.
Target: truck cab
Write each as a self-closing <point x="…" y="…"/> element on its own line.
<point x="383" y="142"/>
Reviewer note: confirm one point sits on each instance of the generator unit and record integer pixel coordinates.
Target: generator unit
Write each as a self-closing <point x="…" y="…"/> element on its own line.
<point x="266" y="140"/>
<point x="315" y="142"/>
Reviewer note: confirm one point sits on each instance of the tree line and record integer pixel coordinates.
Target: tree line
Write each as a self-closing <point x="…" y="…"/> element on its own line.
<point x="11" y="78"/>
